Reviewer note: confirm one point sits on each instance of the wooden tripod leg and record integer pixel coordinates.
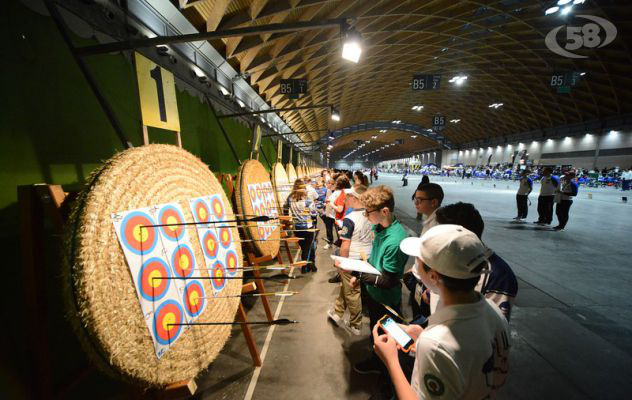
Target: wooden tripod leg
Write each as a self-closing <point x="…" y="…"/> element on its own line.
<point x="260" y="286"/>
<point x="250" y="339"/>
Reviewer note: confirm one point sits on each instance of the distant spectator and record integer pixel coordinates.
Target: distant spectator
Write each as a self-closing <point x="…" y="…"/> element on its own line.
<point x="566" y="190"/>
<point x="526" y="186"/>
<point x="548" y="185"/>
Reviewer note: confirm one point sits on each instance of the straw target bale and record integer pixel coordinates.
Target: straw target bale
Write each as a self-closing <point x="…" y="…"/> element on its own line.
<point x="100" y="293"/>
<point x="254" y="195"/>
<point x="281" y="183"/>
<point x="291" y="173"/>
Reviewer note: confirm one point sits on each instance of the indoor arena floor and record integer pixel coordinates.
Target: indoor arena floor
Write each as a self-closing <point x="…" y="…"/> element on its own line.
<point x="571" y="326"/>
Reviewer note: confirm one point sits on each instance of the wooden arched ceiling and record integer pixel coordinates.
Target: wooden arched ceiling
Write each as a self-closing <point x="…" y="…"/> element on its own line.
<point x="498" y="44"/>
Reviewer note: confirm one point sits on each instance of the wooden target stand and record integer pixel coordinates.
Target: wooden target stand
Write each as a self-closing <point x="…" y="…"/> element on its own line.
<point x="228" y="181"/>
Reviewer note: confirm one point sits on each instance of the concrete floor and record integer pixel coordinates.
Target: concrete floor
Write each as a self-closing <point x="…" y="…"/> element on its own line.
<point x="571" y="326"/>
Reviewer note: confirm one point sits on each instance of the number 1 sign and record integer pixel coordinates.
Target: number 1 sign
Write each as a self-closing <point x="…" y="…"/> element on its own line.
<point x="157" y="92"/>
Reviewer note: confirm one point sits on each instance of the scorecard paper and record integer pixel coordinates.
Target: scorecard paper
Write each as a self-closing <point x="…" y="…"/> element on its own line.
<point x="349" y="264"/>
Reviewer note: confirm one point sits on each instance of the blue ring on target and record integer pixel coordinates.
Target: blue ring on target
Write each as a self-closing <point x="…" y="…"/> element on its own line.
<point x="200" y="306"/>
<point x="167" y="234"/>
<point x="153" y="236"/>
<point x="141" y="281"/>
<point x="159" y="333"/>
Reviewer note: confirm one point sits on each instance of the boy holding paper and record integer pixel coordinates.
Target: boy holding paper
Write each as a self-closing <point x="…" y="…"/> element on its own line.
<point x="387" y="258"/>
<point x="357" y="240"/>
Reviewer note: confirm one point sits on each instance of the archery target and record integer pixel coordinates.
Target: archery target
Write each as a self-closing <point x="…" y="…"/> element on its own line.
<point x="201" y="211"/>
<point x="225" y="237"/>
<point x="150" y="288"/>
<point x="218" y="273"/>
<point x="194" y="298"/>
<point x="169" y="215"/>
<point x="210" y="245"/>
<point x="231" y="262"/>
<point x="183" y="261"/>
<point x="218" y="208"/>
<point x="167" y="314"/>
<point x="137" y="234"/>
<point x="253" y="192"/>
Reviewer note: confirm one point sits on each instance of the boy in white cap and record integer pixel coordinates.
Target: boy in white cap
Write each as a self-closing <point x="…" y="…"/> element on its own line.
<point x="463" y="352"/>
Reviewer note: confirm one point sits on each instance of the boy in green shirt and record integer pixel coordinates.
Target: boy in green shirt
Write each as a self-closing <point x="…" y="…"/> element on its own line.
<point x="386" y="257"/>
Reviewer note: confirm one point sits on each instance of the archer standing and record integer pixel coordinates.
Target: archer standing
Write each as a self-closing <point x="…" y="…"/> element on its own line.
<point x="526" y="186"/>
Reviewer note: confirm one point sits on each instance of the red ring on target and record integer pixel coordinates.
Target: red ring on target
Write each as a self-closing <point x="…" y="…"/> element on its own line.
<point x="193" y="298"/>
<point x="218" y="272"/>
<point x="225" y="238"/>
<point x="183" y="261"/>
<point x="170" y="215"/>
<point x="202" y="213"/>
<point x="153" y="289"/>
<point x="210" y="245"/>
<point x="218" y="208"/>
<point x="167" y="314"/>
<point x="231" y="262"/>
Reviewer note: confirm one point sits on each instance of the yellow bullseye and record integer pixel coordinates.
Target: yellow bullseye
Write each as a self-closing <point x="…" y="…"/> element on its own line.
<point x="172" y="220"/>
<point x="211" y="245"/>
<point x="155" y="282"/>
<point x="203" y="214"/>
<point x="140" y="234"/>
<point x="194" y="298"/>
<point x="168" y="320"/>
<point x="183" y="261"/>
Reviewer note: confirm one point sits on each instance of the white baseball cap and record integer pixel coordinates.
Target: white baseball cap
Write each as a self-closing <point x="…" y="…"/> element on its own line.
<point x="450" y="250"/>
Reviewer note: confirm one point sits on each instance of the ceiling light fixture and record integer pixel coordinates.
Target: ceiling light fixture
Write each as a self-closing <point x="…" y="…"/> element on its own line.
<point x="495" y="105"/>
<point x="566" y="10"/>
<point x="335" y="115"/>
<point x="455" y="121"/>
<point x="417" y="108"/>
<point x="352" y="45"/>
<point x="458" y="80"/>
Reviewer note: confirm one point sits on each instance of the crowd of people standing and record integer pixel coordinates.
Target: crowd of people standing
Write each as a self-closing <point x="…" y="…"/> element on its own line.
<point x="455" y="283"/>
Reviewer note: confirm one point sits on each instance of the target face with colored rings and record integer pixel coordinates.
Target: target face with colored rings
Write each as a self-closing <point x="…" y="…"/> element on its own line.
<point x="231" y="262"/>
<point x="225" y="237"/>
<point x="253" y="193"/>
<point x="218" y="208"/>
<point x="210" y="245"/>
<point x="169" y="215"/>
<point x="183" y="261"/>
<point x="137" y="234"/>
<point x="202" y="213"/>
<point x="167" y="314"/>
<point x="151" y="288"/>
<point x="261" y="232"/>
<point x="218" y="273"/>
<point x="194" y="298"/>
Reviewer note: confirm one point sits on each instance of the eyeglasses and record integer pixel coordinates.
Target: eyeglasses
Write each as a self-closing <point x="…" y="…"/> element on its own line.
<point x="367" y="212"/>
<point x="418" y="200"/>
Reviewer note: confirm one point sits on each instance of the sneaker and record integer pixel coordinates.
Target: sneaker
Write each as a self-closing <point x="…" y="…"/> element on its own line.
<point x="369" y="366"/>
<point x="334" y="317"/>
<point x="352" y="329"/>
<point x="313" y="268"/>
<point x="516" y="218"/>
<point x="327" y="246"/>
<point x="538" y="222"/>
<point x="335" y="279"/>
<point x="558" y="228"/>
